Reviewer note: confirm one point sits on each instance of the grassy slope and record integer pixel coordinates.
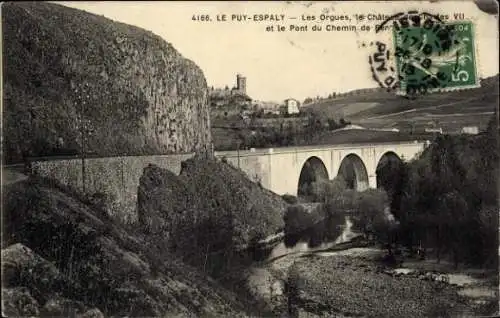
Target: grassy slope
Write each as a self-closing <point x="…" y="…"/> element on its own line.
<point x="226" y="138"/>
<point x="259" y="210"/>
<point x="377" y="104"/>
<point x="120" y="271"/>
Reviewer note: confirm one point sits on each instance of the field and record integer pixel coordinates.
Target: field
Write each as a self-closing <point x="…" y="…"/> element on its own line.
<point x="450" y="111"/>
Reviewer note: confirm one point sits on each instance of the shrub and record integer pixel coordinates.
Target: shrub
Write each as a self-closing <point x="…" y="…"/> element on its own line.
<point x="327" y="190"/>
<point x="298" y="221"/>
<point x="370" y="210"/>
<point x="334" y="221"/>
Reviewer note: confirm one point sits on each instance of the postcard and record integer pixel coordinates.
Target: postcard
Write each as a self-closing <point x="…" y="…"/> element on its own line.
<point x="250" y="159"/>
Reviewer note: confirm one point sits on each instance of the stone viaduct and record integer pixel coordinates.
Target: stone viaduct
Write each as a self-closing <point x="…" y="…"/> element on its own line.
<point x="281" y="170"/>
<point x="284" y="170"/>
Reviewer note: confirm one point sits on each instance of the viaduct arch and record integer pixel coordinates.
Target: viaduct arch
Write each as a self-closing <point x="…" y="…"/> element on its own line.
<point x="353" y="171"/>
<point x="388" y="170"/>
<point x="313" y="170"/>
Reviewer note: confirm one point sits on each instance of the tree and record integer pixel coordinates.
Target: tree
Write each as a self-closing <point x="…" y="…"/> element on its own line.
<point x="488" y="224"/>
<point x="447" y="197"/>
<point x="329" y="191"/>
<point x="370" y="208"/>
<point x="332" y="124"/>
<point x="392" y="177"/>
<point x="452" y="223"/>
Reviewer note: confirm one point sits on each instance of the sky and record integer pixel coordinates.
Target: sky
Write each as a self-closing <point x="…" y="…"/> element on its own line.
<point x="290" y="64"/>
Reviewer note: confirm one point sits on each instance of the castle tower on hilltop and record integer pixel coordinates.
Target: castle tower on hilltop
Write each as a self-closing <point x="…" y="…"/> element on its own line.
<point x="241" y="83"/>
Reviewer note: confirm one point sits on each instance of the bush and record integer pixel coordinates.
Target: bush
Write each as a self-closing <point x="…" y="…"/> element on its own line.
<point x="370" y="208"/>
<point x="300" y="225"/>
<point x="328" y="190"/>
<point x="296" y="221"/>
<point x="334" y="220"/>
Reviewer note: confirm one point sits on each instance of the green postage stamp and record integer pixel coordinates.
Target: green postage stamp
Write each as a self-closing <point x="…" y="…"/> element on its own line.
<point x="435" y="57"/>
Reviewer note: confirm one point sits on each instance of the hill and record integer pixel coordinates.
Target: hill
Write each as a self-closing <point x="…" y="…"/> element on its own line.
<point x="450" y="110"/>
<point x="207" y="212"/>
<point x="68" y="73"/>
<point x="62" y="256"/>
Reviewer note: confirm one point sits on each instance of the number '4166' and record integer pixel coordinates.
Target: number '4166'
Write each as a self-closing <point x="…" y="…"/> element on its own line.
<point x="200" y="17"/>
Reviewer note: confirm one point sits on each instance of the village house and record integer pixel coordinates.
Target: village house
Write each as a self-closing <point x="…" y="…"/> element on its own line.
<point x="292" y="106"/>
<point x="472" y="130"/>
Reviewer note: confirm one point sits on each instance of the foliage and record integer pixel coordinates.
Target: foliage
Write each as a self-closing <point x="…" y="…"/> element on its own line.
<point x="207" y="213"/>
<point x="370" y="217"/>
<point x="305" y="130"/>
<point x="298" y="224"/>
<point x="368" y="210"/>
<point x="329" y="190"/>
<point x="448" y="197"/>
<point x="392" y="177"/>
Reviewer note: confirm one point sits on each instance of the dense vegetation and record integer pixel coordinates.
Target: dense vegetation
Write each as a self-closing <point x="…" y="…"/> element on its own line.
<point x="367" y="210"/>
<point x="303" y="131"/>
<point x="207" y="213"/>
<point x="444" y="202"/>
<point x="448" y="201"/>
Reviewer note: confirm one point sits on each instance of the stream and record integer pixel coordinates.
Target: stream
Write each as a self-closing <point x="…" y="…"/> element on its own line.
<point x="264" y="282"/>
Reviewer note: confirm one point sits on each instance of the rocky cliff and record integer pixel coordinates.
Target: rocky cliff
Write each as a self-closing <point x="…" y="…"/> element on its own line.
<point x="207" y="212"/>
<point x="70" y="75"/>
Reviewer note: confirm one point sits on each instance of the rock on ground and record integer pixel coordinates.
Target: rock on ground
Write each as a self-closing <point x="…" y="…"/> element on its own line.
<point x="18" y="302"/>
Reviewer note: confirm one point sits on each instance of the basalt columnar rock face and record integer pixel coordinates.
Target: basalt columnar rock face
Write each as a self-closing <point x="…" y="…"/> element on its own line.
<point x="68" y="74"/>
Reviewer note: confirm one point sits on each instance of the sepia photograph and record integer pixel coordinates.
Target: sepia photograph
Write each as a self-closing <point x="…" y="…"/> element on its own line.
<point x="250" y="159"/>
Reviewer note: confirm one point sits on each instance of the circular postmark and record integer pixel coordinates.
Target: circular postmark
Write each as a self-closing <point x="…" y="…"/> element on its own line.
<point x="421" y="56"/>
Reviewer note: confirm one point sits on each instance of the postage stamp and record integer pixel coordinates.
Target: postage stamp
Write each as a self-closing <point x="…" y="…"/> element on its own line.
<point x="424" y="62"/>
<point x="427" y="55"/>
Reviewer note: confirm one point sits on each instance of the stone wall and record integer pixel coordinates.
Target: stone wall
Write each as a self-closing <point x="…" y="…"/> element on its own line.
<point x="117" y="177"/>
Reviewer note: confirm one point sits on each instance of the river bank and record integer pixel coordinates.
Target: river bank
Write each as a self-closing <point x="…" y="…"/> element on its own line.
<point x="346" y="279"/>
